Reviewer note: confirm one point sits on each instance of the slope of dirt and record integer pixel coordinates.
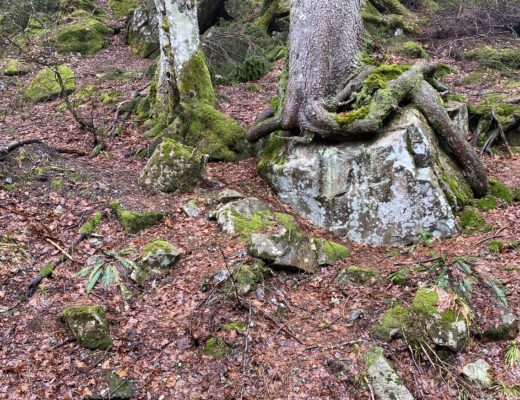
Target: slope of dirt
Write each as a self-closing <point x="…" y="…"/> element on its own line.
<point x="300" y="344"/>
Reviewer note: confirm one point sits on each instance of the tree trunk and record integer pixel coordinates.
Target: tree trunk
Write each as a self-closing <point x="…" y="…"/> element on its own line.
<point x="325" y="39"/>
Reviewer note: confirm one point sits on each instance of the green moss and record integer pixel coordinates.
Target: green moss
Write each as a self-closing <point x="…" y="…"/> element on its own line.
<point x="134" y="221"/>
<point x="275" y="103"/>
<point x="215" y="347"/>
<point x="56" y="183"/>
<point x="399" y="277"/>
<point x="351" y="116"/>
<point x="258" y="222"/>
<point x="110" y="97"/>
<point x="355" y="274"/>
<point x="500" y="191"/>
<point x="157" y="246"/>
<point x="516" y="194"/>
<point x="412" y="49"/>
<point x="495" y="246"/>
<point x="426" y="301"/>
<point x="81" y="34"/>
<point x="373" y="354"/>
<point x="88" y="325"/>
<point x="89" y="227"/>
<point x="15" y="67"/>
<point x="47" y="271"/>
<point x="246" y="278"/>
<point x="504" y="111"/>
<point x="45" y="86"/>
<point x="395" y="319"/>
<point x="69" y="6"/>
<point x="214" y="133"/>
<point x="333" y="251"/>
<point x="471" y="221"/>
<point x="270" y="153"/>
<point x="500" y="59"/>
<point x="120" y="388"/>
<point x="195" y="81"/>
<point x="486" y="203"/>
<point x="122" y="8"/>
<point x="238" y="326"/>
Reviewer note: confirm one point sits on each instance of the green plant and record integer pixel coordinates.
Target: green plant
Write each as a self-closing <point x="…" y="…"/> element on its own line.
<point x="108" y="273"/>
<point x="507" y="392"/>
<point x="512" y="356"/>
<point x="425" y="238"/>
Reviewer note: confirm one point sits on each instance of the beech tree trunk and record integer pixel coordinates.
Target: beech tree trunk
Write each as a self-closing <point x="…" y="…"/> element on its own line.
<point x="325" y="40"/>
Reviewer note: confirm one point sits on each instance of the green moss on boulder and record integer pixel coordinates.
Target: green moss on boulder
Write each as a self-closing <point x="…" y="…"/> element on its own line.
<point x="16" y="67"/>
<point x="122" y="8"/>
<point x="45" y="85"/>
<point x="135" y="221"/>
<point x="412" y="49"/>
<point x="395" y="320"/>
<point x="69" y="6"/>
<point x="330" y="252"/>
<point x="471" y="221"/>
<point x="88" y="325"/>
<point x="158" y="257"/>
<point x="81" y="33"/>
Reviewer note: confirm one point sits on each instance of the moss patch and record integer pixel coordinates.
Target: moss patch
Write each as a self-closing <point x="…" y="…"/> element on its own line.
<point x="195" y="81"/>
<point x="271" y="154"/>
<point x="500" y="59"/>
<point x="89" y="227"/>
<point x="394" y="320"/>
<point x="215" y="347"/>
<point x="495" y="246"/>
<point x="69" y="6"/>
<point x="134" y="221"/>
<point x="238" y="326"/>
<point x="15" y="67"/>
<point x="426" y="301"/>
<point x="45" y="86"/>
<point x="330" y="252"/>
<point x="122" y="8"/>
<point x="471" y="221"/>
<point x="486" y="203"/>
<point x="412" y="49"/>
<point x="500" y="191"/>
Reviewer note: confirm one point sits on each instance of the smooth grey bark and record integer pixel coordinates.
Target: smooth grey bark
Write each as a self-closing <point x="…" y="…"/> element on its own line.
<point x="325" y="39"/>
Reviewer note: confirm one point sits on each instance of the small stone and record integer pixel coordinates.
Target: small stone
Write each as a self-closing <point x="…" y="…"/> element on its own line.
<point x="354" y="274"/>
<point x="58" y="210"/>
<point x="118" y="388"/>
<point x="191" y="209"/>
<point x="88" y="325"/>
<point x="354" y="315"/>
<point x="478" y="372"/>
<point x="158" y="256"/>
<point x="228" y="195"/>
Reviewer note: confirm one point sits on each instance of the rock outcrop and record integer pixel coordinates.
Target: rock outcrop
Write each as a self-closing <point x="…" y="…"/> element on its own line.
<point x="382" y="192"/>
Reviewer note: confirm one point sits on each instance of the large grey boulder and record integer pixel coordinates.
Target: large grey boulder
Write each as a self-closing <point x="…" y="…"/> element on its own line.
<point x="383" y="191"/>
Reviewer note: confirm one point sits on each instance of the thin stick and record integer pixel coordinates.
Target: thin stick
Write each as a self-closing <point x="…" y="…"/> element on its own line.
<point x="370" y="388"/>
<point x="246" y="346"/>
<point x="60" y="249"/>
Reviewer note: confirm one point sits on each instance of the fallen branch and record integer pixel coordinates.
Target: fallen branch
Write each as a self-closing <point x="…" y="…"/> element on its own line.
<point x="5" y="150"/>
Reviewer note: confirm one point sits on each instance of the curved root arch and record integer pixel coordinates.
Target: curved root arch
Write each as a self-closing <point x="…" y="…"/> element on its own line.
<point x="413" y="85"/>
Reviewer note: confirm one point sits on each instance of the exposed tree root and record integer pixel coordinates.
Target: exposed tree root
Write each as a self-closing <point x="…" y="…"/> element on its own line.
<point x="5" y="150"/>
<point x="415" y="85"/>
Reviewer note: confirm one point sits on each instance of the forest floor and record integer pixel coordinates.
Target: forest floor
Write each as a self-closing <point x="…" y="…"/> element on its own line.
<point x="45" y="196"/>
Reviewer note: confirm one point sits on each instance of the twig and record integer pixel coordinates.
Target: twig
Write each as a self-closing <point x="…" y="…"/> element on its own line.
<point x="370" y="388"/>
<point x="11" y="308"/>
<point x="495" y="235"/>
<point x="60" y="249"/>
<point x="419" y="261"/>
<point x="246" y="346"/>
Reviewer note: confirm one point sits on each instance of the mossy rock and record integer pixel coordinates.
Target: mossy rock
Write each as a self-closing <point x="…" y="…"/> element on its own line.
<point x="216" y="347"/>
<point x="158" y="256"/>
<point x="506" y="59"/>
<point x="81" y="33"/>
<point x="88" y="325"/>
<point x="355" y="274"/>
<point x="16" y="67"/>
<point x="395" y="320"/>
<point x="135" y="221"/>
<point x="45" y="85"/>
<point x="486" y="203"/>
<point x="69" y="6"/>
<point x="174" y="167"/>
<point x="246" y="278"/>
<point x="330" y="252"/>
<point x="237" y="326"/>
<point x="120" y="388"/>
<point x="412" y="49"/>
<point x="500" y="191"/>
<point x="122" y="8"/>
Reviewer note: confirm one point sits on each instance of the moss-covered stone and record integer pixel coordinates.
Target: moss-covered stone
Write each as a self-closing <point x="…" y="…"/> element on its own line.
<point x="174" y="167"/>
<point x="395" y="320"/>
<point x="471" y="221"/>
<point x="45" y="85"/>
<point x="122" y="8"/>
<point x="495" y="246"/>
<point x="88" y="325"/>
<point x="69" y="6"/>
<point x="355" y="274"/>
<point x="119" y="388"/>
<point x="158" y="256"/>
<point x="271" y="154"/>
<point x="351" y="116"/>
<point x="426" y="301"/>
<point x="505" y="59"/>
<point x="135" y="221"/>
<point x="81" y="33"/>
<point x="16" y="67"/>
<point x="215" y="347"/>
<point x="90" y="226"/>
<point x="330" y="252"/>
<point x="500" y="191"/>
<point x="47" y="271"/>
<point x="412" y="49"/>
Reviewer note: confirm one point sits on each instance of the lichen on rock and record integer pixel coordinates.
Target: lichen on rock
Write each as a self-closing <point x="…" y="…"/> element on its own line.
<point x="158" y="256"/>
<point x="88" y="325"/>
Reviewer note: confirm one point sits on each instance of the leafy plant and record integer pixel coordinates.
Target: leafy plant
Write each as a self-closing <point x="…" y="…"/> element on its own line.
<point x="425" y="238"/>
<point x="108" y="273"/>
<point x="507" y="392"/>
<point x="498" y="290"/>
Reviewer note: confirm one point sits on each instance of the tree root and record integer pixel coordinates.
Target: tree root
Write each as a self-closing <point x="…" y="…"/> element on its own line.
<point x="5" y="150"/>
<point x="411" y="85"/>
